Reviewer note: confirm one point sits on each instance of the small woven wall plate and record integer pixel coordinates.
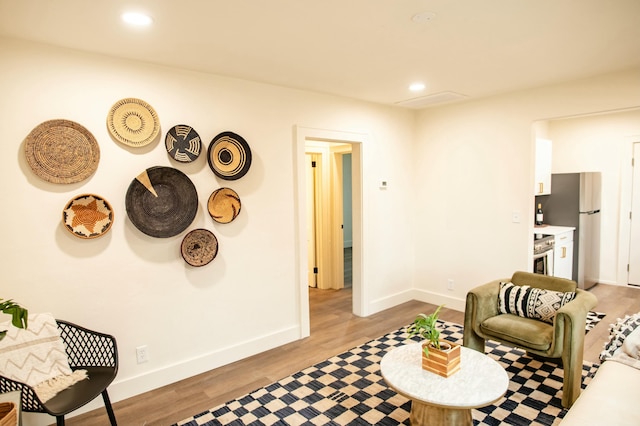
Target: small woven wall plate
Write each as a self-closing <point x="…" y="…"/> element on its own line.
<point x="87" y="216"/>
<point x="161" y="202"/>
<point x="183" y="143"/>
<point x="199" y="247"/>
<point x="133" y="122"/>
<point x="62" y="151"/>
<point x="229" y="156"/>
<point x="224" y="205"/>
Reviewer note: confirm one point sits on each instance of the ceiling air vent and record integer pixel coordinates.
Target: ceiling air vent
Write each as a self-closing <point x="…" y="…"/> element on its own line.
<point x="430" y="100"/>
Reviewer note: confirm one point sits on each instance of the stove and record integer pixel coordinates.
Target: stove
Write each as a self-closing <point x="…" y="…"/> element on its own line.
<point x="543" y="244"/>
<point x="543" y="255"/>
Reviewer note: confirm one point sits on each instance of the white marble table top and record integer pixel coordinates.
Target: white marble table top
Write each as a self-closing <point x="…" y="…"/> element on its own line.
<point x="481" y="381"/>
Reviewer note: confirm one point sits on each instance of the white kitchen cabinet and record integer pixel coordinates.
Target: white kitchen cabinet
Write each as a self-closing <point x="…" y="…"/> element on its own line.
<point x="542" y="184"/>
<point x="563" y="255"/>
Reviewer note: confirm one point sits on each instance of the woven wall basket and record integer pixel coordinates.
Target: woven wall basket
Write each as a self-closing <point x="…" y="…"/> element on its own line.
<point x="224" y="205"/>
<point x="133" y="122"/>
<point x="229" y="156"/>
<point x="199" y="247"/>
<point x="87" y="216"/>
<point x="62" y="151"/>
<point x="183" y="143"/>
<point x="161" y="202"/>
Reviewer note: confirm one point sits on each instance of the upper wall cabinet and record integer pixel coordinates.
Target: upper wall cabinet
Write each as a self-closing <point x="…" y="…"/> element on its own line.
<point x="543" y="167"/>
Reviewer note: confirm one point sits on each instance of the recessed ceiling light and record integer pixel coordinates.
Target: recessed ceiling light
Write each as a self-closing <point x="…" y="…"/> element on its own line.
<point x="417" y="87"/>
<point x="423" y="17"/>
<point x="137" y="19"/>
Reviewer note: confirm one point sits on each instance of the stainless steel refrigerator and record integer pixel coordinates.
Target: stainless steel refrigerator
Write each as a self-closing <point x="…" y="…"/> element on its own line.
<point x="575" y="201"/>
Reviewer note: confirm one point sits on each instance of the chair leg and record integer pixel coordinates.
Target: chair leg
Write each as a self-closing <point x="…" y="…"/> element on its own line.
<point x="572" y="383"/>
<point x="470" y="339"/>
<point x="59" y="420"/>
<point x="107" y="404"/>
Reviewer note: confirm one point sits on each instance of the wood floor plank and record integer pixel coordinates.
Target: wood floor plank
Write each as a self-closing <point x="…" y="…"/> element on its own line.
<point x="334" y="329"/>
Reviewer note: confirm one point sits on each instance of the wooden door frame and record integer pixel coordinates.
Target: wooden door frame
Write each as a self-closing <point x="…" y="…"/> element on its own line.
<point x="301" y="136"/>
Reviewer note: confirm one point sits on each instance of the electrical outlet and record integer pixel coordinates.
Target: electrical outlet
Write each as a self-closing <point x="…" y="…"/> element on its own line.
<point x="449" y="284"/>
<point x="142" y="354"/>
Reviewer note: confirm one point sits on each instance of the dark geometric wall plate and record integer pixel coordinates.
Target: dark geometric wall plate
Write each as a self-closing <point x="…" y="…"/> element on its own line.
<point x="183" y="143"/>
<point x="161" y="202"/>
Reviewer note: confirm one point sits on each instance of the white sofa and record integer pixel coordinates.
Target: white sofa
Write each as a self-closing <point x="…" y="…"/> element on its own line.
<point x="611" y="398"/>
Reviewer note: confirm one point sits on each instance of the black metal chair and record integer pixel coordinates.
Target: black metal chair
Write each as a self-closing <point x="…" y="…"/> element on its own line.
<point x="86" y="350"/>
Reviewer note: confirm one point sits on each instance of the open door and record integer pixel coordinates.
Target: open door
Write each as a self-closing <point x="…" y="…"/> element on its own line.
<point x="634" y="216"/>
<point x="325" y="209"/>
<point x="311" y="163"/>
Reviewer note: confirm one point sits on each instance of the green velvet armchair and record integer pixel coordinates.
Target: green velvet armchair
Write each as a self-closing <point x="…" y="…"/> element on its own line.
<point x="563" y="340"/>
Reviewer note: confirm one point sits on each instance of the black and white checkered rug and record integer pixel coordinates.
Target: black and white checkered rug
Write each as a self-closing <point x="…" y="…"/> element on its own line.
<point x="348" y="389"/>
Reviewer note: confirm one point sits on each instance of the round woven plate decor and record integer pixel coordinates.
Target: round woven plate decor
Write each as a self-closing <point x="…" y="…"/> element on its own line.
<point x="199" y="247"/>
<point x="183" y="143"/>
<point x="62" y="151"/>
<point x="133" y="122"/>
<point x="161" y="202"/>
<point x="229" y="156"/>
<point x="87" y="216"/>
<point x="224" y="205"/>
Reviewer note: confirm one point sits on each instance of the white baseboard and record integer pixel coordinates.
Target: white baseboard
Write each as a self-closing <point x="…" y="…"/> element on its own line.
<point x="451" y="302"/>
<point x="416" y="294"/>
<point x="609" y="282"/>
<point x="133" y="386"/>
<point x="387" y="302"/>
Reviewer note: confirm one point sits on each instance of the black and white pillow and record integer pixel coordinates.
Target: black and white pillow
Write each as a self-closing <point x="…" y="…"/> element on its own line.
<point x="531" y="302"/>
<point x="618" y="332"/>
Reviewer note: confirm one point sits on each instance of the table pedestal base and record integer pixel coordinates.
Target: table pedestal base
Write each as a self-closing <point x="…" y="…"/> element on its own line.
<point x="424" y="414"/>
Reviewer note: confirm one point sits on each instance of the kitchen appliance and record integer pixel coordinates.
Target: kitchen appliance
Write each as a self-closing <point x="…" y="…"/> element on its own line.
<point x="575" y="201"/>
<point x="543" y="255"/>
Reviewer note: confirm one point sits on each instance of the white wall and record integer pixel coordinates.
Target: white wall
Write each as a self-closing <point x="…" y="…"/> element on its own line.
<point x="138" y="288"/>
<point x="602" y="143"/>
<point x="455" y="176"/>
<point x="474" y="167"/>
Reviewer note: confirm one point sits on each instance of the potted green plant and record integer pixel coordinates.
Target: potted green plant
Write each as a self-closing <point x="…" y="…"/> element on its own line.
<point x="19" y="315"/>
<point x="438" y="356"/>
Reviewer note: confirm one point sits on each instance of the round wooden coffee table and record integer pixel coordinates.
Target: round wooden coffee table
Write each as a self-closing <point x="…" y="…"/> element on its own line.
<point x="438" y="400"/>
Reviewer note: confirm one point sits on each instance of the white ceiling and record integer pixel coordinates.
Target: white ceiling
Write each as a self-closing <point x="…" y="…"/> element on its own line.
<point x="364" y="49"/>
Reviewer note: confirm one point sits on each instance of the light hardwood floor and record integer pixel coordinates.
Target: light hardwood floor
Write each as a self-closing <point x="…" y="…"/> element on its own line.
<point x="333" y="330"/>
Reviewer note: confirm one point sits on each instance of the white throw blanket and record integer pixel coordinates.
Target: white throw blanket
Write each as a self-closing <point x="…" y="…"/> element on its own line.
<point x="36" y="356"/>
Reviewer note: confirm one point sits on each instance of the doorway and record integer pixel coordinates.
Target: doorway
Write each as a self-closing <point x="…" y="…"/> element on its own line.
<point x="323" y="139"/>
<point x="633" y="268"/>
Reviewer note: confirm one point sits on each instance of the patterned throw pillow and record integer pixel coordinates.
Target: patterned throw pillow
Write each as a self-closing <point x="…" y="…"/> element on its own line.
<point x="618" y="332"/>
<point x="531" y="302"/>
